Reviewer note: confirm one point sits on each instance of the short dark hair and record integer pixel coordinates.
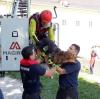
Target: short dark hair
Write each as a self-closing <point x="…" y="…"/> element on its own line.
<point x="77" y="47"/>
<point x="27" y="51"/>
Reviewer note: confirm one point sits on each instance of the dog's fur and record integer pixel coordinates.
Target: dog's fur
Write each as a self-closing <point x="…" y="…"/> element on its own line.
<point x="63" y="56"/>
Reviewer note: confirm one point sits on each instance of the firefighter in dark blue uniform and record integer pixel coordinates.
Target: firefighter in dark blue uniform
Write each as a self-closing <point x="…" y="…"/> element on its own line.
<point x="30" y="73"/>
<point x="68" y="78"/>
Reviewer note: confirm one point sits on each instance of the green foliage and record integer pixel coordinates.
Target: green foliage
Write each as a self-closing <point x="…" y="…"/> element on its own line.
<point x="85" y="69"/>
<point x="87" y="90"/>
<point x="50" y="86"/>
<point x="14" y="74"/>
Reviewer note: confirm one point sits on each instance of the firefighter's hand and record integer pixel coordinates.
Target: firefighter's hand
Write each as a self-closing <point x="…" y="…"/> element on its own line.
<point x="60" y="70"/>
<point x="50" y="72"/>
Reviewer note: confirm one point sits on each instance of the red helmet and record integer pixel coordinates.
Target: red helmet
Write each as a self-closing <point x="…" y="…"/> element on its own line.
<point x="46" y="16"/>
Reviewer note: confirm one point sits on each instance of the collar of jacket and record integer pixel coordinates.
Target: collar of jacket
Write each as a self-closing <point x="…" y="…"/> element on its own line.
<point x="28" y="62"/>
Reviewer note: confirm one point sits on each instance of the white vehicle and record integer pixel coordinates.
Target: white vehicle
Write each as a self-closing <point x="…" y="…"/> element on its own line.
<point x="13" y="36"/>
<point x="73" y="25"/>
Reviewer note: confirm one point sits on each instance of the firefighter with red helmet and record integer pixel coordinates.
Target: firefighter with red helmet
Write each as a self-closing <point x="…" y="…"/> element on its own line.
<point x="40" y="26"/>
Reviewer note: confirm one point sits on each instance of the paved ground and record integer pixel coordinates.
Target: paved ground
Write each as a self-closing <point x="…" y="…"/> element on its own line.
<point x="12" y="88"/>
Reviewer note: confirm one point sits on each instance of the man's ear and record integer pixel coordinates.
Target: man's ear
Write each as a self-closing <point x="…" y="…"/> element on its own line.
<point x="30" y="56"/>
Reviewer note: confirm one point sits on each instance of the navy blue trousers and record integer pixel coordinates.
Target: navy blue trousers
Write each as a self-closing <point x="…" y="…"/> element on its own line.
<point x="1" y="94"/>
<point x="31" y="96"/>
<point x="67" y="93"/>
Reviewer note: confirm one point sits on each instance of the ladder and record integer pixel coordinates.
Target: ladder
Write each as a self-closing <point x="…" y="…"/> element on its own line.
<point x="20" y="8"/>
